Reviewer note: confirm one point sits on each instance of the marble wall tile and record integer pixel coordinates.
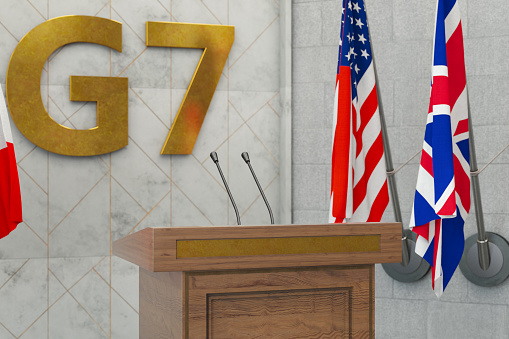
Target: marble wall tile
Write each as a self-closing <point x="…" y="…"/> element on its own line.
<point x="214" y="130"/>
<point x="198" y="185"/>
<point x="8" y="43"/>
<point x="255" y="69"/>
<point x="250" y="20"/>
<point x="70" y="178"/>
<point x="36" y="329"/>
<point x="247" y="103"/>
<point x="151" y="69"/>
<point x="25" y="294"/>
<point x="185" y="212"/>
<point x="137" y="13"/>
<point x="77" y="322"/>
<point x="85" y="231"/>
<point x="76" y="7"/>
<point x="263" y="162"/>
<point x="193" y="11"/>
<point x="257" y="213"/>
<point x="93" y="294"/>
<point x="143" y="179"/>
<point x="124" y="319"/>
<point x="265" y="125"/>
<point x="125" y="281"/>
<point x="126" y="212"/>
<point x="19" y="17"/>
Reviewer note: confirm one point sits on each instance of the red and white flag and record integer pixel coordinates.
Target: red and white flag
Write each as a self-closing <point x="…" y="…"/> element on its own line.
<point x="359" y="181"/>
<point x="10" y="197"/>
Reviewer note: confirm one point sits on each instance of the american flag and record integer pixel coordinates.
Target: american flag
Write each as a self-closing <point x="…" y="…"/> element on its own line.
<point x="10" y="198"/>
<point x="359" y="182"/>
<point x="442" y="197"/>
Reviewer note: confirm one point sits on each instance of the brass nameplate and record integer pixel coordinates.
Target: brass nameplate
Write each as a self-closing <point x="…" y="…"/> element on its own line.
<point x="276" y="246"/>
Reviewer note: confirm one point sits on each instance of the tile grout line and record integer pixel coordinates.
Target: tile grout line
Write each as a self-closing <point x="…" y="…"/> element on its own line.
<point x="20" y="160"/>
<point x="248" y="47"/>
<point x="31" y="4"/>
<point x="148" y="213"/>
<point x="259" y="195"/>
<point x="7" y="329"/>
<point x="5" y="283"/>
<point x="168" y="11"/>
<point x="149" y="108"/>
<point x="103" y="7"/>
<point x="30" y="177"/>
<point x="132" y="62"/>
<point x="79" y="202"/>
<point x="129" y="194"/>
<point x="114" y="290"/>
<point x="125" y="22"/>
<point x="212" y="13"/>
<point x="32" y="324"/>
<point x="206" y="170"/>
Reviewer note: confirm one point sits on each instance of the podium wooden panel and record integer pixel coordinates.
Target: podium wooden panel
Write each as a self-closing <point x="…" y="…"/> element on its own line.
<point x="280" y="281"/>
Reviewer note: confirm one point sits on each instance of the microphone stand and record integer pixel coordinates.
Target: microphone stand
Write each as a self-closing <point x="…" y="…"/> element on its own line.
<point x="213" y="156"/>
<point x="245" y="156"/>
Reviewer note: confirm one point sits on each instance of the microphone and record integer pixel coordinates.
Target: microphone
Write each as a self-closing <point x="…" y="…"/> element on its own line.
<point x="245" y="156"/>
<point x="215" y="159"/>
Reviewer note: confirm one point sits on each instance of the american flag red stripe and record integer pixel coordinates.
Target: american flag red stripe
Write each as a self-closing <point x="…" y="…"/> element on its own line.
<point x="359" y="182"/>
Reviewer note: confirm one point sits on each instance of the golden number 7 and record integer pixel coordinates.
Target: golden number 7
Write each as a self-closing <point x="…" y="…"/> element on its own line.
<point x="216" y="42"/>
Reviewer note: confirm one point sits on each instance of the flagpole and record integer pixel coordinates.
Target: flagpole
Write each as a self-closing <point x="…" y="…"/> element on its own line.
<point x="405" y="255"/>
<point x="485" y="260"/>
<point x="405" y="251"/>
<point x="482" y="241"/>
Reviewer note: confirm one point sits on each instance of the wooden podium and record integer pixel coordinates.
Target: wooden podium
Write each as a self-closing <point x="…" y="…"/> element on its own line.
<point x="281" y="281"/>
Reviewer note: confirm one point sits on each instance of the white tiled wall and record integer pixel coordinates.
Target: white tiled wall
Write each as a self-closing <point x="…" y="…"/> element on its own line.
<point x="57" y="276"/>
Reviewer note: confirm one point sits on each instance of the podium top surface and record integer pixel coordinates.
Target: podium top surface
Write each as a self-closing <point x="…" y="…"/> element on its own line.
<point x="244" y="247"/>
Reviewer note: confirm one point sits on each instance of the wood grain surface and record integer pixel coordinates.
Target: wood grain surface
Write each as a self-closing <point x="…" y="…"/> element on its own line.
<point x="161" y="305"/>
<point x="333" y="302"/>
<point x="155" y="249"/>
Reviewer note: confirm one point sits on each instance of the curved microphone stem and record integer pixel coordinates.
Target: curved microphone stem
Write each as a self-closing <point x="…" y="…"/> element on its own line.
<point x="213" y="156"/>
<point x="245" y="156"/>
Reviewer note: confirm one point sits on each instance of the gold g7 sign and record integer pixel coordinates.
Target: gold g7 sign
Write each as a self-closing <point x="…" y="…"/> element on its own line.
<point x="111" y="93"/>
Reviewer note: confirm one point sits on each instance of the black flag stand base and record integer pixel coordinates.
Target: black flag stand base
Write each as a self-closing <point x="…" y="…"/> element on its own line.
<point x="498" y="269"/>
<point x="417" y="267"/>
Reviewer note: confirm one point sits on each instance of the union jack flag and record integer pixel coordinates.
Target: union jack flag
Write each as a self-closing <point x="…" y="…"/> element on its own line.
<point x="359" y="181"/>
<point x="442" y="197"/>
